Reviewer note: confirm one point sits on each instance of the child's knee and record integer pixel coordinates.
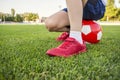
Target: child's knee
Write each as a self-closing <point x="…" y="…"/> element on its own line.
<point x="50" y="25"/>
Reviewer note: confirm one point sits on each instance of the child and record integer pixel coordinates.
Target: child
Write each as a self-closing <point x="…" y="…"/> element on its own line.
<point x="69" y="21"/>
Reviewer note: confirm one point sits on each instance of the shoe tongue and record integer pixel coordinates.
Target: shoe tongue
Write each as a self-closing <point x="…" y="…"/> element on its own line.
<point x="70" y="39"/>
<point x="66" y="43"/>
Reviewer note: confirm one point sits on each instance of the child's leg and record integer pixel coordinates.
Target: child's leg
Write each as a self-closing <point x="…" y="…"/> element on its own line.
<point x="58" y="22"/>
<point x="75" y="13"/>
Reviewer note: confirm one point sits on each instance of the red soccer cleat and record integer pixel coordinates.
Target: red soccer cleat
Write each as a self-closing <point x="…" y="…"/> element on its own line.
<point x="68" y="48"/>
<point x="63" y="36"/>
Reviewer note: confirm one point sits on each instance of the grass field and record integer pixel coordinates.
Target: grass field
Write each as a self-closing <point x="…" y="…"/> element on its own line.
<point x="23" y="56"/>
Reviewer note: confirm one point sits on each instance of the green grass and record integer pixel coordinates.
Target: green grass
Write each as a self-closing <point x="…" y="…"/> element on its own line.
<point x="23" y="56"/>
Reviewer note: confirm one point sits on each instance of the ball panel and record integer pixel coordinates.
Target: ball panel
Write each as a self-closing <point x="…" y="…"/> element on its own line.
<point x="99" y="35"/>
<point x="91" y="38"/>
<point x="86" y="29"/>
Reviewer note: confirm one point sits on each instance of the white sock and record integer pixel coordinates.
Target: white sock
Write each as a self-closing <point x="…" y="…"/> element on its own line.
<point x="76" y="35"/>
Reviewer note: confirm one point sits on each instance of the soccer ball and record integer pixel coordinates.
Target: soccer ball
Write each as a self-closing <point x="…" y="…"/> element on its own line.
<point x="91" y="31"/>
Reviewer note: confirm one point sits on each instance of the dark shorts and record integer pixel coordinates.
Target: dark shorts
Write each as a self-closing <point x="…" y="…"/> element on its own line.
<point x="93" y="10"/>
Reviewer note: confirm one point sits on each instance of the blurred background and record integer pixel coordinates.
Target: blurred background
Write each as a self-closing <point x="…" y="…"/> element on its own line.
<point x="30" y="11"/>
